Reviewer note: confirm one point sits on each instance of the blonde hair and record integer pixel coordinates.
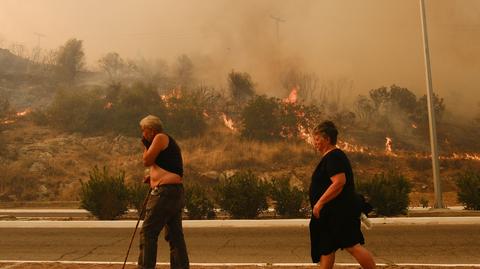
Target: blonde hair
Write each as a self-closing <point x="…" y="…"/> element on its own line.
<point x="152" y="122"/>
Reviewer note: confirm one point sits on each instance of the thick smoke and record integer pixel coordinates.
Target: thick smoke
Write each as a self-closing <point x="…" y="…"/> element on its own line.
<point x="372" y="42"/>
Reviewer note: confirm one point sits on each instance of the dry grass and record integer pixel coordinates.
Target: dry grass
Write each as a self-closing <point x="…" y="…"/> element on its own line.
<point x="222" y="150"/>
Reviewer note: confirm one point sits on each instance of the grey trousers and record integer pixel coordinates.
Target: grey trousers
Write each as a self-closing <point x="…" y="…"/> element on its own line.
<point x="164" y="209"/>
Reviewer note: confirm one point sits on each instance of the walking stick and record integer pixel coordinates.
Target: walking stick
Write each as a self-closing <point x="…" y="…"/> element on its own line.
<point x="136" y="226"/>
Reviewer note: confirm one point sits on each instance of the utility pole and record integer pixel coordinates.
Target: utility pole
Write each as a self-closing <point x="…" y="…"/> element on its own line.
<point x="277" y="22"/>
<point x="431" y="112"/>
<point x="39" y="35"/>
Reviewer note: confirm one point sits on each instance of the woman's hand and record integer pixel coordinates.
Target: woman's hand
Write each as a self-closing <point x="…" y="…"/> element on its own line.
<point x="316" y="209"/>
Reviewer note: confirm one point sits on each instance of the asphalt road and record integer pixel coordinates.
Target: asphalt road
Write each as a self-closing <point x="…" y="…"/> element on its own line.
<point x="390" y="243"/>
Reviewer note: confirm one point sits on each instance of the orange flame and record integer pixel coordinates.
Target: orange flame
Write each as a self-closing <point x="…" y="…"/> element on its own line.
<point x="348" y="147"/>
<point x="108" y="105"/>
<point x="228" y="122"/>
<point x="292" y="97"/>
<point x="23" y="113"/>
<point x="388" y="146"/>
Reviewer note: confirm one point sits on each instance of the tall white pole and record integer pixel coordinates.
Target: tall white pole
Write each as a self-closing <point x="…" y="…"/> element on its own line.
<point x="431" y="113"/>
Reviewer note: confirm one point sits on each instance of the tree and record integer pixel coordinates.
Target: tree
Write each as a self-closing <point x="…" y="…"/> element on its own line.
<point x="70" y="59"/>
<point x="364" y="108"/>
<point x="241" y="86"/>
<point x="421" y="111"/>
<point x="402" y="99"/>
<point x="113" y="65"/>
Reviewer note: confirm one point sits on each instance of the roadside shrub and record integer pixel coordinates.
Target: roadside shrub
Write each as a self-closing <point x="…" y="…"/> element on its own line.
<point x="243" y="195"/>
<point x="289" y="199"/>
<point x="197" y="202"/>
<point x="104" y="195"/>
<point x="388" y="193"/>
<point x="137" y="194"/>
<point x="468" y="184"/>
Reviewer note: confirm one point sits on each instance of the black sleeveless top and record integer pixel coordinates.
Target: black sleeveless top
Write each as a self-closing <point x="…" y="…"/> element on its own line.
<point x="333" y="163"/>
<point x="170" y="158"/>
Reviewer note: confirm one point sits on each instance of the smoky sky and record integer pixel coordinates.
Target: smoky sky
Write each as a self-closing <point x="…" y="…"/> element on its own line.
<point x="373" y="43"/>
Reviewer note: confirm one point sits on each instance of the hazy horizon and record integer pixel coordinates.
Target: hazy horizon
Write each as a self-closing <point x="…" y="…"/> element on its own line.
<point x="373" y="43"/>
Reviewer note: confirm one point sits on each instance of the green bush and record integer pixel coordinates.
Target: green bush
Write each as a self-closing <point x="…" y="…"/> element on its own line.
<point x="388" y="193"/>
<point x="184" y="117"/>
<point x="197" y="202"/>
<point x="289" y="200"/>
<point x="468" y="184"/>
<point x="260" y="119"/>
<point x="137" y="193"/>
<point x="242" y="195"/>
<point x="104" y="195"/>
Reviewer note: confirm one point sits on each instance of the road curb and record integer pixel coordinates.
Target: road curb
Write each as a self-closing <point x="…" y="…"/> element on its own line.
<point x="231" y="223"/>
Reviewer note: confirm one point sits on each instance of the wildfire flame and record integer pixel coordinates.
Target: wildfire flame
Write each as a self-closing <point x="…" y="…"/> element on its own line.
<point x="228" y="122"/>
<point x="175" y="93"/>
<point x="388" y="146"/>
<point x="108" y="105"/>
<point x="348" y="147"/>
<point x="305" y="135"/>
<point x="16" y="116"/>
<point x="462" y="156"/>
<point x="23" y="113"/>
<point x="292" y="97"/>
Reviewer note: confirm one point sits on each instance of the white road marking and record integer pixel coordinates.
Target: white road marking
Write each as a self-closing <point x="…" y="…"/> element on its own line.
<point x="18" y="262"/>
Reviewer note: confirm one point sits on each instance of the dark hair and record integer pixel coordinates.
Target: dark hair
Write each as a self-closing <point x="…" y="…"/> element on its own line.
<point x="327" y="129"/>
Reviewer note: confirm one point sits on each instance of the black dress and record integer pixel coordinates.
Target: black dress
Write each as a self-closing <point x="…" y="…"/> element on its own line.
<point x="339" y="223"/>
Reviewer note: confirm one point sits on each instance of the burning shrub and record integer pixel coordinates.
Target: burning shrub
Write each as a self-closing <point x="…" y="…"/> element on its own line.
<point x="289" y="199"/>
<point x="243" y="195"/>
<point x="388" y="193"/>
<point x="104" y="195"/>
<point x="185" y="114"/>
<point x="268" y="119"/>
<point x="468" y="184"/>
<point x="197" y="202"/>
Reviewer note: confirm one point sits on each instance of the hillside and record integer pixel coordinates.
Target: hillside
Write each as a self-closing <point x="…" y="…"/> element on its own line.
<point x="42" y="164"/>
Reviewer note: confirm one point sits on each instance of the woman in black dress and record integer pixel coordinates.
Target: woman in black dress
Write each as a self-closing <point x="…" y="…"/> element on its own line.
<point x="335" y="222"/>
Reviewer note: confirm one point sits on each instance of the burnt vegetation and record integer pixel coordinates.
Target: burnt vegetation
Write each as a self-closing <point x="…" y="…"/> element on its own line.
<point x="235" y="128"/>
